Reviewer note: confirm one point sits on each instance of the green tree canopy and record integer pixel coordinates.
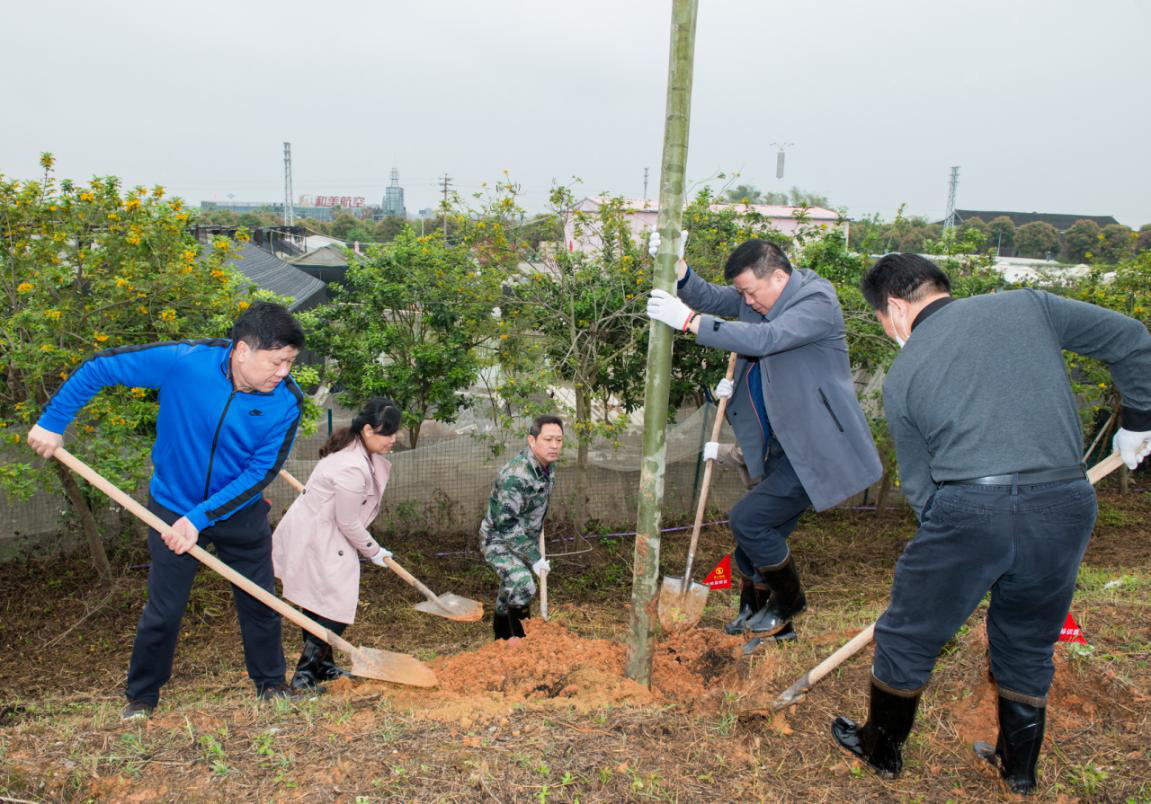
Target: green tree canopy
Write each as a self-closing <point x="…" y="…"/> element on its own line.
<point x="1080" y="239"/>
<point x="1036" y="239"/>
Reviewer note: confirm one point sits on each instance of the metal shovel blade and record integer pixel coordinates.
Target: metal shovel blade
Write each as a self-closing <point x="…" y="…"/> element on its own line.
<point x="398" y="668"/>
<point x="454" y="607"/>
<point x="676" y="611"/>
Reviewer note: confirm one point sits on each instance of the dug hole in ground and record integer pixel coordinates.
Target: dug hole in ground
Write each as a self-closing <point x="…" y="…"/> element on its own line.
<point x="554" y="717"/>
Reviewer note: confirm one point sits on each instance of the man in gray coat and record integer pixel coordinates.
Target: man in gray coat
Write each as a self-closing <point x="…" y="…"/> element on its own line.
<point x="793" y="408"/>
<point x="986" y="429"/>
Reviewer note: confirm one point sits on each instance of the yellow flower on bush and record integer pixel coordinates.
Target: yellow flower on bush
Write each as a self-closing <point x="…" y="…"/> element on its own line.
<point x="133" y="239"/>
<point x="142" y="310"/>
<point x="47" y="347"/>
<point x="100" y="337"/>
<point x="87" y="196"/>
<point x="52" y="315"/>
<point x="25" y="287"/>
<point x="121" y="282"/>
<point x="132" y="203"/>
<point x="242" y="306"/>
<point x="219" y="275"/>
<point x="112" y="216"/>
<point x="168" y="314"/>
<point x="158" y="191"/>
<point x="189" y="255"/>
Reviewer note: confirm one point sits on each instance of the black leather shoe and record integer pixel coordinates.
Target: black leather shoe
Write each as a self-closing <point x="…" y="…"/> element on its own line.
<point x="879" y="742"/>
<point x="137" y="710"/>
<point x="786" y="601"/>
<point x="1016" y="752"/>
<point x="778" y="638"/>
<point x="518" y="615"/>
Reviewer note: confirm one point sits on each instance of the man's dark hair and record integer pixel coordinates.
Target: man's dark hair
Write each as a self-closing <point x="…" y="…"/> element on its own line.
<point x="761" y="256"/>
<point x="265" y="325"/>
<point x="539" y="421"/>
<point x="903" y="276"/>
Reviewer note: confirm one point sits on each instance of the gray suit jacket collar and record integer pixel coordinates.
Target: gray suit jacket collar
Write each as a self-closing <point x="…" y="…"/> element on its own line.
<point x="794" y="283"/>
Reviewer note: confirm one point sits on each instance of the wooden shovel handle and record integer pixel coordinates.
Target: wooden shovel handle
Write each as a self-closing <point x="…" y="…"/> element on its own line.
<point x="296" y="484"/>
<point x="860" y="640"/>
<point x="701" y="509"/>
<point x="200" y="554"/>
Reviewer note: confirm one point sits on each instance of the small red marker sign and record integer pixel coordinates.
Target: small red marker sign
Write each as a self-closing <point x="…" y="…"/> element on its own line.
<point x="720" y="577"/>
<point x="1070" y="631"/>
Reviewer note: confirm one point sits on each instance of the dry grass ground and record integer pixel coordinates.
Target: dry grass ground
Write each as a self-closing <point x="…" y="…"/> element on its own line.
<point x="558" y="721"/>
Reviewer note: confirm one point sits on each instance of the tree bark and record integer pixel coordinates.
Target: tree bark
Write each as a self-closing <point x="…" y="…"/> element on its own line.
<point x="87" y="523"/>
<point x="645" y="576"/>
<point x="583" y="428"/>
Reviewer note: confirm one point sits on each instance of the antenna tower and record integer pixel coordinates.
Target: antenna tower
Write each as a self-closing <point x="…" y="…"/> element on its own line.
<point x="289" y="206"/>
<point x="949" y="218"/>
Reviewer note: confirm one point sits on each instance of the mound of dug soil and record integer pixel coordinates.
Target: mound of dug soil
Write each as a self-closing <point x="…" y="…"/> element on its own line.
<point x="554" y="668"/>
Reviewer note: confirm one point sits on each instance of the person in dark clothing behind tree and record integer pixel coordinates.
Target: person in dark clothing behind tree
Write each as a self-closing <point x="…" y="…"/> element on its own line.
<point x="988" y="440"/>
<point x="228" y="417"/>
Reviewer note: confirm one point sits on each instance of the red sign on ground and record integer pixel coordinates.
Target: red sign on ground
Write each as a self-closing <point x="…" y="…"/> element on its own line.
<point x="1070" y="631"/>
<point x="720" y="577"/>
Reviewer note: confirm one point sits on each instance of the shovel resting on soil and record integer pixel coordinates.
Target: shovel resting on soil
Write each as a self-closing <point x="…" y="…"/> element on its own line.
<point x="447" y="605"/>
<point x="681" y="601"/>
<point x="398" y="668"/>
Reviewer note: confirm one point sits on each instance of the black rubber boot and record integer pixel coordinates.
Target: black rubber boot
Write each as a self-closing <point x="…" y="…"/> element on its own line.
<point x="502" y="625"/>
<point x="751" y="600"/>
<point x="328" y="670"/>
<point x="786" y="601"/>
<point x="880" y="742"/>
<point x="518" y="615"/>
<point x="1016" y="751"/>
<point x="307" y="672"/>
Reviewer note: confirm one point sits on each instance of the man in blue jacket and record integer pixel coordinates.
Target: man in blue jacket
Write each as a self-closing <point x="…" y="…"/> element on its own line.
<point x="228" y="417"/>
<point x="793" y="409"/>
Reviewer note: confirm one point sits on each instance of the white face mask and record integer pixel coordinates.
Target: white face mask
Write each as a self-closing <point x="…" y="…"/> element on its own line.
<point x="898" y="339"/>
<point x="901" y="341"/>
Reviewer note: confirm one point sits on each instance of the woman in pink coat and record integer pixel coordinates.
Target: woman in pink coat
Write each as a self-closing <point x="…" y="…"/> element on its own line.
<point x="316" y="548"/>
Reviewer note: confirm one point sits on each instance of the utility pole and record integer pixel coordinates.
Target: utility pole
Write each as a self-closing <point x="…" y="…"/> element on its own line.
<point x="289" y="207"/>
<point x="645" y="575"/>
<point x="446" y="181"/>
<point x="949" y="218"/>
<point x="645" y="187"/>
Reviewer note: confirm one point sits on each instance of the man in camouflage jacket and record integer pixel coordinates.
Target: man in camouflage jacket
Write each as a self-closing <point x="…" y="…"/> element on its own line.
<point x="510" y="532"/>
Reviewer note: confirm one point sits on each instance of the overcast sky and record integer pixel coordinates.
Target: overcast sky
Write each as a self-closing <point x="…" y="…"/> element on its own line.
<point x="1042" y="103"/>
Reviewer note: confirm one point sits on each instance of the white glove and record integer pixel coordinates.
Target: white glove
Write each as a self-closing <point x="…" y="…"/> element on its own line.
<point x="711" y="451"/>
<point x="378" y="558"/>
<point x="542" y="566"/>
<point x="653" y="244"/>
<point x="667" y="309"/>
<point x="724" y="389"/>
<point x="1132" y="446"/>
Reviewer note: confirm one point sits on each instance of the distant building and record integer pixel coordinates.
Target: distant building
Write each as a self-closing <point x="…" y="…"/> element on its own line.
<point x="318" y="208"/>
<point x="393" y="206"/>
<point x="642" y="217"/>
<point x="1060" y="221"/>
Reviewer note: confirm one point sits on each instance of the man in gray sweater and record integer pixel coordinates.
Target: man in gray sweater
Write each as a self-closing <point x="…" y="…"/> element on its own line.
<point x="988" y="440"/>
<point x="793" y="408"/>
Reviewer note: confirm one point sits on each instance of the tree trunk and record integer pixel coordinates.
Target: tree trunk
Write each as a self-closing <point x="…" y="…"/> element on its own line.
<point x="645" y="576"/>
<point x="583" y="430"/>
<point x="87" y="522"/>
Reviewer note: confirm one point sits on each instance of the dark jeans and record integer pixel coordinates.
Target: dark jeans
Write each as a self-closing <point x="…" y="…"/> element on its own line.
<point x="335" y="627"/>
<point x="1022" y="544"/>
<point x="765" y="516"/>
<point x="243" y="542"/>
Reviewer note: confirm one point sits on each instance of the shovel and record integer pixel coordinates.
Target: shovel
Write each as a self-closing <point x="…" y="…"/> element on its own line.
<point x="447" y="605"/>
<point x="681" y="601"/>
<point x="398" y="668"/>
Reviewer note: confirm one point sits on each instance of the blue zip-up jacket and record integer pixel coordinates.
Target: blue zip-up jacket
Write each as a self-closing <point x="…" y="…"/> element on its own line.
<point x="216" y="448"/>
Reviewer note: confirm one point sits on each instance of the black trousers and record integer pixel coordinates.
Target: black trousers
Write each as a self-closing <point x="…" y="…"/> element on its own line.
<point x="763" y="519"/>
<point x="335" y="627"/>
<point x="243" y="542"/>
<point x="1024" y="544"/>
